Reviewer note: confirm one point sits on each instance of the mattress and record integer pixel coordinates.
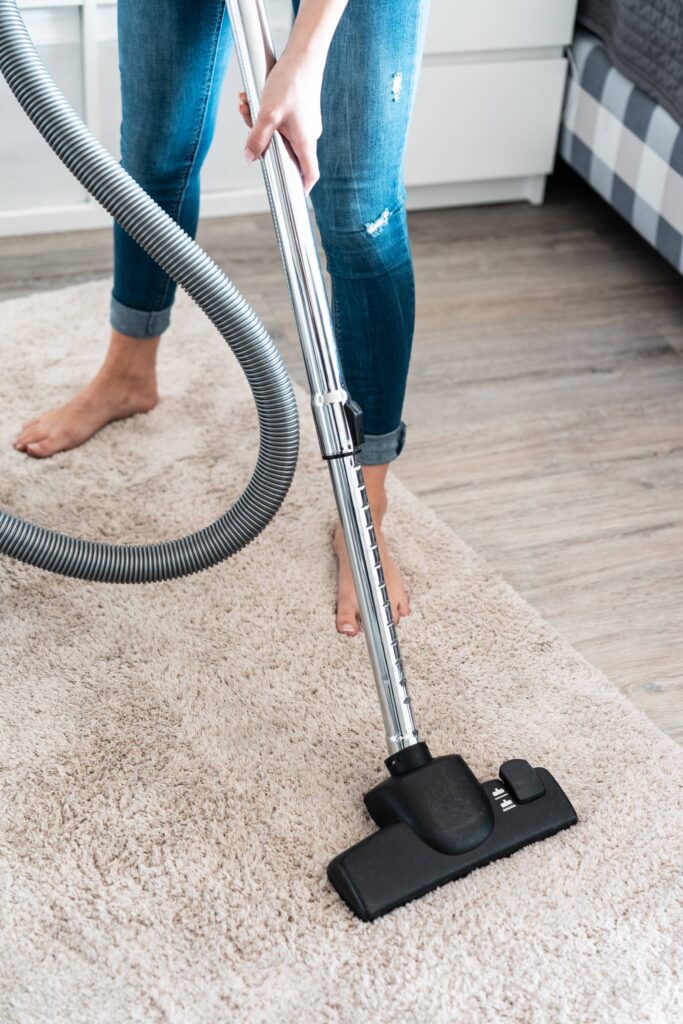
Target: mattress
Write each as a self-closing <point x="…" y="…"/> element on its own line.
<point x="644" y="39"/>
<point x="627" y="146"/>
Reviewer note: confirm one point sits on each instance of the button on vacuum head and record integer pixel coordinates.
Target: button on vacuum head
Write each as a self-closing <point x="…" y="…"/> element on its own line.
<point x="522" y="780"/>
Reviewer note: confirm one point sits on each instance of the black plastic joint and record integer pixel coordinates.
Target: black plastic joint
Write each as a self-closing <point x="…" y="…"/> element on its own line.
<point x="354" y="418"/>
<point x="408" y="759"/>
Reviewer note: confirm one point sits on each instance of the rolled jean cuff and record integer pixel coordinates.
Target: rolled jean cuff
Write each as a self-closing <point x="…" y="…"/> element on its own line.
<point x="138" y="323"/>
<point x="378" y="449"/>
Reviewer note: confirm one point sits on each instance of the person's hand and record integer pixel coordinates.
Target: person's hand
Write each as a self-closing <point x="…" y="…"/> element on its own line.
<point x="290" y="103"/>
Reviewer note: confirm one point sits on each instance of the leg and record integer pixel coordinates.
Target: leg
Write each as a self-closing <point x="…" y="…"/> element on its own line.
<point x="348" y="613"/>
<point x="172" y="56"/>
<point x="368" y="95"/>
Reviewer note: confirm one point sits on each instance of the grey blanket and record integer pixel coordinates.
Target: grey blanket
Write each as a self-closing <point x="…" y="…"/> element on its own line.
<point x="644" y="40"/>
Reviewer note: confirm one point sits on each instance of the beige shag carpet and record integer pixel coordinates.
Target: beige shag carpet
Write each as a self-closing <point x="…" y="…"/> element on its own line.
<point x="180" y="761"/>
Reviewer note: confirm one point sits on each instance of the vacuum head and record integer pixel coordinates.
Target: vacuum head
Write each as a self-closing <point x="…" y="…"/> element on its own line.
<point x="437" y="822"/>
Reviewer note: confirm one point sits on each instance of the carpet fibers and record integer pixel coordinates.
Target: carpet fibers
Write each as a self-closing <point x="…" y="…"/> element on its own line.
<point x="179" y="761"/>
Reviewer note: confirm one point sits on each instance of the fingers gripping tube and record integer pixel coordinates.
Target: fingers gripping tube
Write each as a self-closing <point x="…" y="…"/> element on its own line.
<point x="188" y="264"/>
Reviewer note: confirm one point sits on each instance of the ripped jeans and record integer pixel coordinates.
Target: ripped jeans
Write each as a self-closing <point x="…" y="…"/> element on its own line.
<point x="173" y="56"/>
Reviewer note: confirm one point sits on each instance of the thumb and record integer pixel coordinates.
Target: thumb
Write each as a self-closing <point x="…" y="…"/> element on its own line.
<point x="260" y="135"/>
<point x="307" y="157"/>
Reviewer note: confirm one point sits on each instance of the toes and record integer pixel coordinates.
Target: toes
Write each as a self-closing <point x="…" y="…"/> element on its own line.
<point x="23" y="434"/>
<point x="347" y="619"/>
<point x="347" y="628"/>
<point x="29" y="435"/>
<point x="400" y="607"/>
<point x="45" y="440"/>
<point x="41" y="449"/>
<point x="49" y="444"/>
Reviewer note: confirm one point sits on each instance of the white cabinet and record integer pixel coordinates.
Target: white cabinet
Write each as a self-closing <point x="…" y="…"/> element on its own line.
<point x="31" y="175"/>
<point x="77" y="41"/>
<point x="484" y="126"/>
<point x="459" y="26"/>
<point x="487" y="110"/>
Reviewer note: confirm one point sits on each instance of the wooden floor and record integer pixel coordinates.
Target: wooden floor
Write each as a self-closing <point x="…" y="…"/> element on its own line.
<point x="545" y="406"/>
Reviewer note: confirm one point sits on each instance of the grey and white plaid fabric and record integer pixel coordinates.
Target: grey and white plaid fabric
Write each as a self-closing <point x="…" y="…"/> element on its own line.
<point x="626" y="146"/>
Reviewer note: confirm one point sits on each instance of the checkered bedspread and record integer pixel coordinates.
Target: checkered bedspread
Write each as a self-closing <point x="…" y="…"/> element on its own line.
<point x="626" y="146"/>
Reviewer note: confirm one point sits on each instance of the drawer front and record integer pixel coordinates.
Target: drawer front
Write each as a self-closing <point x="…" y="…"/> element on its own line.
<point x="457" y="26"/>
<point x="474" y="121"/>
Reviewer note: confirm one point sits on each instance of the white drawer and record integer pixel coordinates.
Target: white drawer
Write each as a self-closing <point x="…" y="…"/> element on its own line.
<point x="476" y="121"/>
<point x="461" y="26"/>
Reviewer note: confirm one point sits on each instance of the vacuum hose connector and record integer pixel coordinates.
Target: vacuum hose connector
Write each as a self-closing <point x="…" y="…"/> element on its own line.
<point x="176" y="253"/>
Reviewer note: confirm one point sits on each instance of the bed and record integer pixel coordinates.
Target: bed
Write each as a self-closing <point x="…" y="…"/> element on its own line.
<point x="622" y="124"/>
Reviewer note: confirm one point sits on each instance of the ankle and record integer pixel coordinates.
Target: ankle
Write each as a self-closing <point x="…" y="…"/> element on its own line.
<point x="378" y="510"/>
<point x="375" y="486"/>
<point x="131" y="359"/>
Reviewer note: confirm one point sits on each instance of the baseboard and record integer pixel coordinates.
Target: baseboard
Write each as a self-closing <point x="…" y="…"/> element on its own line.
<point x="473" y="193"/>
<point x="89" y="215"/>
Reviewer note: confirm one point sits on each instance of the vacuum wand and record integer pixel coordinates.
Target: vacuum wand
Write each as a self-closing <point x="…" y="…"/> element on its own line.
<point x="337" y="418"/>
<point x="436" y="821"/>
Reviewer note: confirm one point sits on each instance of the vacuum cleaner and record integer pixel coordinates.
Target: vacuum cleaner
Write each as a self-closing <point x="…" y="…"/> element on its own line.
<point x="436" y="821"/>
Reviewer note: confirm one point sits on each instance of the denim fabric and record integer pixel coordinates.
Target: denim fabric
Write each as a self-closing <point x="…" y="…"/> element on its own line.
<point x="172" y="56"/>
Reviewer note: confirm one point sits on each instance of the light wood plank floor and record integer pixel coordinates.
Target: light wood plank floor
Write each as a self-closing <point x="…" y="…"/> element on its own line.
<point x="545" y="407"/>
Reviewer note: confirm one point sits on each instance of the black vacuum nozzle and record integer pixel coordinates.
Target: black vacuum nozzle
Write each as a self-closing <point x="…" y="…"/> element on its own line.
<point x="437" y="822"/>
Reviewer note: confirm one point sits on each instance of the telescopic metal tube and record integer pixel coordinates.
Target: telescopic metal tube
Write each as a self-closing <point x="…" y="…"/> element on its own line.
<point x="329" y="399"/>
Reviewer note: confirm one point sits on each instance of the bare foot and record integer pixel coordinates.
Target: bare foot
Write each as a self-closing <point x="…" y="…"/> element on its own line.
<point x="348" y="612"/>
<point x="124" y="386"/>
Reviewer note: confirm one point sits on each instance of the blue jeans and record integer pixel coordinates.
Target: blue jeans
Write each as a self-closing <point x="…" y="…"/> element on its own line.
<point x="173" y="56"/>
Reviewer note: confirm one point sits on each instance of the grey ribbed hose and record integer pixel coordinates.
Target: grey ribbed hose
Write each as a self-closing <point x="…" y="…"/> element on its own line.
<point x="188" y="264"/>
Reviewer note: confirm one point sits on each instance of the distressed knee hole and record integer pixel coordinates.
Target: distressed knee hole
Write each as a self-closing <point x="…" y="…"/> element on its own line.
<point x="375" y="226"/>
<point x="396" y="86"/>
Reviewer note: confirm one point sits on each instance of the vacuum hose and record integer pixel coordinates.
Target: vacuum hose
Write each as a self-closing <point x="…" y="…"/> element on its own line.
<point x="188" y="264"/>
